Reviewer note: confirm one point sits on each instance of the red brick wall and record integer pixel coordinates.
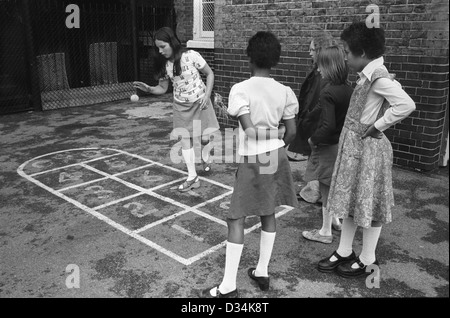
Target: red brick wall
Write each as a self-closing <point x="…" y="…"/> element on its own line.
<point x="417" y="51"/>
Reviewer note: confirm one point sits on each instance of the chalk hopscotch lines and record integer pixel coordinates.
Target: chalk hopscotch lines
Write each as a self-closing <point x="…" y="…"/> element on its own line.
<point x="102" y="175"/>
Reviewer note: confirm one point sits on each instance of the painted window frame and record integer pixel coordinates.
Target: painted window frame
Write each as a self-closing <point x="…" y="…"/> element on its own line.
<point x="201" y="38"/>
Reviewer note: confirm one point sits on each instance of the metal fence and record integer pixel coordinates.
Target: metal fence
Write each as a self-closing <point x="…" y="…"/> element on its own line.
<point x="73" y="66"/>
<point x="14" y="69"/>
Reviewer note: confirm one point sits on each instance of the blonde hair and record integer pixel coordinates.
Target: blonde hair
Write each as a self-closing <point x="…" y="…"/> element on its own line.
<point x="332" y="64"/>
<point x="323" y="39"/>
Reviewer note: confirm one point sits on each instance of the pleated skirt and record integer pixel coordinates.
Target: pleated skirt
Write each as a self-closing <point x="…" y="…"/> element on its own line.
<point x="320" y="164"/>
<point x="190" y="120"/>
<point x="262" y="183"/>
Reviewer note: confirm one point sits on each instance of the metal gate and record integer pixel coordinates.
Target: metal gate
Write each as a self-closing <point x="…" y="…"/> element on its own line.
<point x="45" y="64"/>
<point x="15" y="75"/>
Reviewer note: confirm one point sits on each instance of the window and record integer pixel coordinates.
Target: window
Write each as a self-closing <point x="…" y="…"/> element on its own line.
<point x="203" y="24"/>
<point x="207" y="18"/>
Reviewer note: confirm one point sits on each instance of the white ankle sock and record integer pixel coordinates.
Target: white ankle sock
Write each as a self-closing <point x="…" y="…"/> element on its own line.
<point x="265" y="252"/>
<point x="206" y="152"/>
<point x="326" y="222"/>
<point x="347" y="234"/>
<point x="335" y="221"/>
<point x="370" y="241"/>
<point x="232" y="258"/>
<point x="189" y="159"/>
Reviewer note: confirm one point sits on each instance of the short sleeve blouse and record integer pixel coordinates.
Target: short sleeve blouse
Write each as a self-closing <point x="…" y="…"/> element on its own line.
<point x="188" y="86"/>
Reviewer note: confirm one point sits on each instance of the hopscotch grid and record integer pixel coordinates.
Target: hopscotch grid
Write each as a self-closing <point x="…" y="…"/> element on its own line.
<point x="161" y="197"/>
<point x="73" y="165"/>
<point x="190" y="209"/>
<point x="119" y="152"/>
<point x="180" y="171"/>
<point x="161" y="221"/>
<point x="107" y="220"/>
<point x="187" y="232"/>
<point x="141" y="191"/>
<point x="222" y="244"/>
<point x="118" y="174"/>
<point x="147" y="191"/>
<point x="82" y="184"/>
<point x="103" y="178"/>
<point x="217" y="198"/>
<point x="107" y="204"/>
<point x="132" y="170"/>
<point x="153" y="163"/>
<point x="166" y="184"/>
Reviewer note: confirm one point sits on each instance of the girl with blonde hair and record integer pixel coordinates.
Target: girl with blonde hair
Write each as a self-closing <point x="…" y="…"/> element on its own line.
<point x="333" y="104"/>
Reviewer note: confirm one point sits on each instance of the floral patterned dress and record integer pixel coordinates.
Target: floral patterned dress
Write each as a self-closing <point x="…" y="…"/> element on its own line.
<point x="361" y="185"/>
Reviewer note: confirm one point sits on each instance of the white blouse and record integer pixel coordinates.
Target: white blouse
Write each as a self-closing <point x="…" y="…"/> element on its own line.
<point x="268" y="102"/>
<point x="384" y="88"/>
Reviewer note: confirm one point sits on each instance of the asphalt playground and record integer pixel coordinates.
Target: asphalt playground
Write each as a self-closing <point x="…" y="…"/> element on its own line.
<point x="89" y="208"/>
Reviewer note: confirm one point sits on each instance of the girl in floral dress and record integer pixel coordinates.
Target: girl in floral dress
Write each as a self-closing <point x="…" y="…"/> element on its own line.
<point x="361" y="187"/>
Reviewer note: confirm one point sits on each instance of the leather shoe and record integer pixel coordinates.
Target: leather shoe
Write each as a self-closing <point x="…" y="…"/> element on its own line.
<point x="346" y="270"/>
<point x="327" y="266"/>
<point x="314" y="235"/>
<point x="207" y="294"/>
<point x="263" y="282"/>
<point x="188" y="185"/>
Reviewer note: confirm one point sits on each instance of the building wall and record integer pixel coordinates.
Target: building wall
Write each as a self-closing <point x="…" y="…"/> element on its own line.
<point x="417" y="34"/>
<point x="184" y="10"/>
<point x="184" y="15"/>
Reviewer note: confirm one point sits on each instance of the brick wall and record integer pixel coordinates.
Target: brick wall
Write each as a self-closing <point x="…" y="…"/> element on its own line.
<point x="184" y="11"/>
<point x="417" y="34"/>
<point x="185" y="17"/>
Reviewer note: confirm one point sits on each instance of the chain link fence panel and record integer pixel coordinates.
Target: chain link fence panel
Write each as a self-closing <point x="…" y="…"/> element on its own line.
<point x="83" y="65"/>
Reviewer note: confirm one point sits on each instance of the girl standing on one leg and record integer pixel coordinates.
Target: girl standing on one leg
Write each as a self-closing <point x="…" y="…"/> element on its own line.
<point x="191" y="98"/>
<point x="333" y="104"/>
<point x="263" y="180"/>
<point x="361" y="187"/>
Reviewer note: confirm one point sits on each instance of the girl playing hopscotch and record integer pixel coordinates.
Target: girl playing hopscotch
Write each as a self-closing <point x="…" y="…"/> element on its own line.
<point x="192" y="105"/>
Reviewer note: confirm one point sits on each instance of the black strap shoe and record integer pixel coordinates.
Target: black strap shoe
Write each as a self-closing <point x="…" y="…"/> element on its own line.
<point x="327" y="266"/>
<point x="263" y="282"/>
<point x="346" y="270"/>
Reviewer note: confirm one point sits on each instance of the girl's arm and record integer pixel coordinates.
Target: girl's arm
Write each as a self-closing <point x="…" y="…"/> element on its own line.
<point x="291" y="131"/>
<point x="327" y="120"/>
<point x="401" y="103"/>
<point x="159" y="89"/>
<point x="257" y="133"/>
<point x="209" y="85"/>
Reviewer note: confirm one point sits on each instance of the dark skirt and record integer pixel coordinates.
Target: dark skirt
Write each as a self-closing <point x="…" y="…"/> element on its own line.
<point x="263" y="182"/>
<point x="321" y="164"/>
